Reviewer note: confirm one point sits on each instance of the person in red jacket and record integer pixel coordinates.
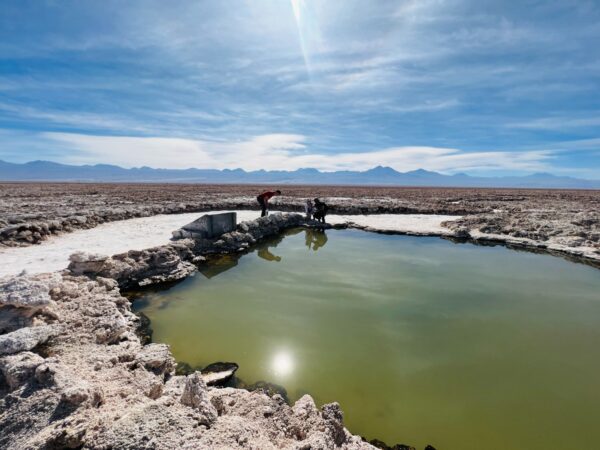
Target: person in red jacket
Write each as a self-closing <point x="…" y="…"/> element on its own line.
<point x="263" y="200"/>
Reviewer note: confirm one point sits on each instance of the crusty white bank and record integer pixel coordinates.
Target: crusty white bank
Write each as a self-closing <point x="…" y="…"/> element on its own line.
<point x="138" y="234"/>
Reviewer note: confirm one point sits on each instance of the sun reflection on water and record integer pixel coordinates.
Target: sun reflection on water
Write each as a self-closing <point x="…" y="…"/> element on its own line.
<point x="282" y="363"/>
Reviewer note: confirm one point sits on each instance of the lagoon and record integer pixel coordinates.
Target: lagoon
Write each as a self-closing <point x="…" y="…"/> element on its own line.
<point x="420" y="339"/>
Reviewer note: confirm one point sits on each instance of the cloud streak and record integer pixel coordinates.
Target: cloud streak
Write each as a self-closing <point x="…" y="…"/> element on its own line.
<point x="282" y="152"/>
<point x="558" y="123"/>
<point x="431" y="82"/>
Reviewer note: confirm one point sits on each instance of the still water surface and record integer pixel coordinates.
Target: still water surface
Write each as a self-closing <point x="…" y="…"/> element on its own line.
<point x="421" y="340"/>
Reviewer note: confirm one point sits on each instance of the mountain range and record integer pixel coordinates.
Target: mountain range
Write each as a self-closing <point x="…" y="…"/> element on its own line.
<point x="377" y="176"/>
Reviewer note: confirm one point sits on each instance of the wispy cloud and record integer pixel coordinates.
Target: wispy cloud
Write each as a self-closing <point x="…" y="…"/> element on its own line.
<point x="282" y="151"/>
<point x="558" y="123"/>
<point x="383" y="79"/>
<point x="78" y="119"/>
<point x="265" y="151"/>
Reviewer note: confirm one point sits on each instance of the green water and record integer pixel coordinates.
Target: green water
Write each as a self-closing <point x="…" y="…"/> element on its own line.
<point x="421" y="340"/>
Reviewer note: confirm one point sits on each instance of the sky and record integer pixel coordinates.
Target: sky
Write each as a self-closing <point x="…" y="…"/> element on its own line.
<point x="481" y="87"/>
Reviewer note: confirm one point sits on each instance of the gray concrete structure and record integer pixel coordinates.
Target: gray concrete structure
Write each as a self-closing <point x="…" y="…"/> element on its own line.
<point x="208" y="226"/>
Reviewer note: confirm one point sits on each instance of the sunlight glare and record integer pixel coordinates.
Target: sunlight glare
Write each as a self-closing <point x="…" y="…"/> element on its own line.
<point x="282" y="364"/>
<point x="299" y="9"/>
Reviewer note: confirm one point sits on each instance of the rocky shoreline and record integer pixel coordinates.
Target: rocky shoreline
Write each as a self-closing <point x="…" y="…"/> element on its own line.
<point x="75" y="374"/>
<point x="32" y="212"/>
<point x="560" y="221"/>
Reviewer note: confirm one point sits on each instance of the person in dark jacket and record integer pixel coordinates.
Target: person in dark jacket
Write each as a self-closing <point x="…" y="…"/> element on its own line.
<point x="263" y="200"/>
<point x="320" y="210"/>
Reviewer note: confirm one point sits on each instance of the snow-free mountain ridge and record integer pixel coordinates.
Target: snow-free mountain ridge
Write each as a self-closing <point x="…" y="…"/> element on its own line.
<point x="386" y="176"/>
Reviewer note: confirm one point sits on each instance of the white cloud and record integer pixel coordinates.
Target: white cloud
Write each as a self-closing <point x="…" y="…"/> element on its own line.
<point x="265" y="151"/>
<point x="72" y="118"/>
<point x="558" y="123"/>
<point x="281" y="152"/>
<point x="193" y="76"/>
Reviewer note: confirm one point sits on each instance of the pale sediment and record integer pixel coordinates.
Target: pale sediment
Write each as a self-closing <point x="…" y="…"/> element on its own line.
<point x="143" y="233"/>
<point x="23" y="228"/>
<point x="563" y="220"/>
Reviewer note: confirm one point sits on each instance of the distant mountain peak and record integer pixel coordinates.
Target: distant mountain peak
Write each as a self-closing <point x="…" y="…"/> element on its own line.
<point x="382" y="170"/>
<point x="39" y="162"/>
<point x="307" y="170"/>
<point x="379" y="175"/>
<point x="542" y="174"/>
<point x="422" y="172"/>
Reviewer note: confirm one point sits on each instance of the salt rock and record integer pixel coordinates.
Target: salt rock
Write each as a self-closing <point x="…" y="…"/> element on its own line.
<point x="304" y="407"/>
<point x="84" y="262"/>
<point x="18" y="369"/>
<point x="195" y="395"/>
<point x="27" y="291"/>
<point x="75" y="395"/>
<point x="157" y="358"/>
<point x="334" y="420"/>
<point x="25" y="339"/>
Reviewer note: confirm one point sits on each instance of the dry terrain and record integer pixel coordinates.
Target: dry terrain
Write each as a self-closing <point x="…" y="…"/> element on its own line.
<point x="75" y="374"/>
<point x="560" y="220"/>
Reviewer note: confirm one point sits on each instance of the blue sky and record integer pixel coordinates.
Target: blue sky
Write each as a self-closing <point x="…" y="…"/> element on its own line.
<point x="476" y="86"/>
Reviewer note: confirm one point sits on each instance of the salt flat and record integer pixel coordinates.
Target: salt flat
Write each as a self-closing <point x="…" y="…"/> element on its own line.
<point x="427" y="224"/>
<point x="140" y="233"/>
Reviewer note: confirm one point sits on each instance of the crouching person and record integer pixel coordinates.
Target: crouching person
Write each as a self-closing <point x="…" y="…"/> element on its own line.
<point x="321" y="210"/>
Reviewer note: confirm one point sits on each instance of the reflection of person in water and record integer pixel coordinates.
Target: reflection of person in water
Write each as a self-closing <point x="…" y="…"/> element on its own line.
<point x="264" y="248"/>
<point x="315" y="239"/>
<point x="264" y="253"/>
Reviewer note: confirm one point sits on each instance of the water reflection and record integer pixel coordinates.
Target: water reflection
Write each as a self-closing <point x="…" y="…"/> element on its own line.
<point x="336" y="326"/>
<point x="282" y="363"/>
<point x="265" y="253"/>
<point x="218" y="265"/>
<point x="264" y="248"/>
<point x="315" y="239"/>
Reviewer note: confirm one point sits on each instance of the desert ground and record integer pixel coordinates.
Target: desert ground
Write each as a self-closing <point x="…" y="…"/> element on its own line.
<point x="75" y="370"/>
<point x="560" y="220"/>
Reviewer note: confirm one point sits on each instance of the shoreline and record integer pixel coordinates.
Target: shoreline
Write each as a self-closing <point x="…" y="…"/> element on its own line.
<point x="141" y="233"/>
<point x="70" y="344"/>
<point x="560" y="219"/>
<point x="74" y="373"/>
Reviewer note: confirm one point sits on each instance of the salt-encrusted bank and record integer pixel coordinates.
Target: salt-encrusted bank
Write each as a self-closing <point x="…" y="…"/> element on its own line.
<point x="74" y="374"/>
<point x="142" y="233"/>
<point x="567" y="219"/>
<point x="147" y="232"/>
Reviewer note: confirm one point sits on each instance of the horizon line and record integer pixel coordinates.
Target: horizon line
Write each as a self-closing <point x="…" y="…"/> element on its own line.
<point x="303" y="168"/>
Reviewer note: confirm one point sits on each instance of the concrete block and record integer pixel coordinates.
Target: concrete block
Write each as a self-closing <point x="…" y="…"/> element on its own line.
<point x="208" y="226"/>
